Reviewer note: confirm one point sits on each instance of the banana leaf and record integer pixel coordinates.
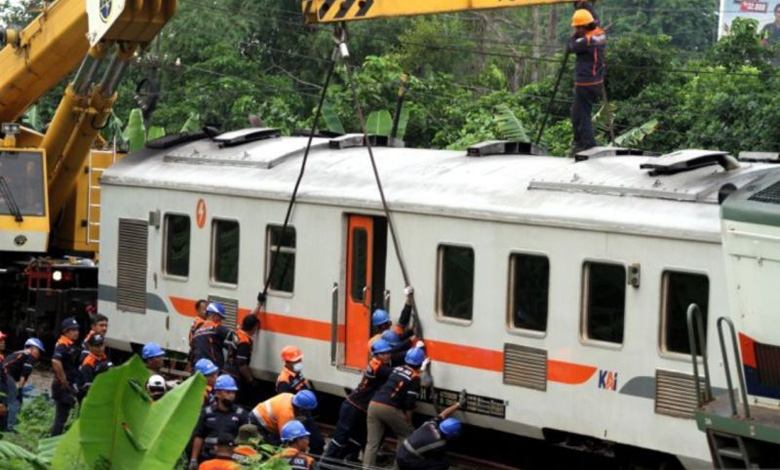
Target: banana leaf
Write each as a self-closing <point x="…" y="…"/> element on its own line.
<point x="135" y="132"/>
<point x="47" y="447"/>
<point x="332" y="121"/>
<point x="192" y="125"/>
<point x="379" y="123"/>
<point x="633" y="137"/>
<point x="68" y="455"/>
<point x="33" y="118"/>
<point x="120" y="428"/>
<point x="10" y="451"/>
<point x="155" y="132"/>
<point x="509" y="126"/>
<point x="403" y="120"/>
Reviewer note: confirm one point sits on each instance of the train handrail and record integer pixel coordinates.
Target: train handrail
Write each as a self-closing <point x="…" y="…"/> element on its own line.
<point x="727" y="368"/>
<point x="334" y="323"/>
<point x="694" y="329"/>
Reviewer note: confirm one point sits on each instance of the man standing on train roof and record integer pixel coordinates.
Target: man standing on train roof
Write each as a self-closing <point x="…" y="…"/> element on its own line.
<point x="94" y="364"/>
<point x="295" y="437"/>
<point x="223" y="455"/>
<point x="291" y="379"/>
<point x="17" y="368"/>
<point x="224" y="417"/>
<point x="240" y="356"/>
<point x="426" y="447"/>
<point x="271" y="415"/>
<point x="98" y="326"/>
<point x="350" y="434"/>
<point x="64" y="362"/>
<point x="210" y="371"/>
<point x="589" y="44"/>
<point x="210" y="338"/>
<point x="393" y="404"/>
<point x="200" y="317"/>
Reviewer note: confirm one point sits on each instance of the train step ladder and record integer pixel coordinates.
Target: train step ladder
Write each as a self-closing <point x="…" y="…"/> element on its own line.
<point x="728" y="450"/>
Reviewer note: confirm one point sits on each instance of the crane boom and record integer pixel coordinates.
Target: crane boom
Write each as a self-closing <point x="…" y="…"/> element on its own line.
<point x="336" y="11"/>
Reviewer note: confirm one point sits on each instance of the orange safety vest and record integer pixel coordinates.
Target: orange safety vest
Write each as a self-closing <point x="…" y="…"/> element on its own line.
<point x="242" y="453"/>
<point x="219" y="464"/>
<point x="297" y="382"/>
<point x="296" y="459"/>
<point x="275" y="412"/>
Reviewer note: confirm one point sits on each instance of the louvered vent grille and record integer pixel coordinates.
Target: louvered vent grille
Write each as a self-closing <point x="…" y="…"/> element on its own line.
<point x="769" y="194"/>
<point x="231" y="310"/>
<point x="525" y="367"/>
<point x="131" y="265"/>
<point x="768" y="364"/>
<point x="675" y="393"/>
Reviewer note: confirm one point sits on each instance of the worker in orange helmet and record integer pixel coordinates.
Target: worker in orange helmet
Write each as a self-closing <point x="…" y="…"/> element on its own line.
<point x="291" y="379"/>
<point x="589" y="44"/>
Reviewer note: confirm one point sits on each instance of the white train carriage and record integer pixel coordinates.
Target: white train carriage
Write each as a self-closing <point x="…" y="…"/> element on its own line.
<point x="554" y="291"/>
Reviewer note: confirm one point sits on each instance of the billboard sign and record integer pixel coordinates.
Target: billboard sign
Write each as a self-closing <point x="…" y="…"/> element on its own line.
<point x="762" y="11"/>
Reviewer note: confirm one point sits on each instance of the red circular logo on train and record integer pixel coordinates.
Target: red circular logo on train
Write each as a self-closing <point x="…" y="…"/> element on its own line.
<point x="200" y="213"/>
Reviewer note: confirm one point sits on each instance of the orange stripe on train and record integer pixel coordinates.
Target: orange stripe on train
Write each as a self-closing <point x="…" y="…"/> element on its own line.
<point x="451" y="353"/>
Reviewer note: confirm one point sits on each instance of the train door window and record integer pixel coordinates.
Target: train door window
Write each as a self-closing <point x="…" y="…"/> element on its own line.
<point x="281" y="265"/>
<point x="679" y="291"/>
<point x="224" y="251"/>
<point x="455" y="288"/>
<point x="529" y="280"/>
<point x="604" y="301"/>
<point x="177" y="245"/>
<point x="359" y="263"/>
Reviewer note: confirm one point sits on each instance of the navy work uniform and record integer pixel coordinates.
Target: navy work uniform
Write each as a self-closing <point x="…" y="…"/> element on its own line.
<point x="240" y="354"/>
<point x="589" y="45"/>
<point x="67" y="352"/>
<point x="213" y="422"/>
<point x="208" y="342"/>
<point x="17" y="366"/>
<point x="297" y="460"/>
<point x="425" y="448"/>
<point x="91" y="367"/>
<point x="350" y="434"/>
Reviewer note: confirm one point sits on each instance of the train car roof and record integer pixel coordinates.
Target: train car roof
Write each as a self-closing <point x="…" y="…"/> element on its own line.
<point x="605" y="194"/>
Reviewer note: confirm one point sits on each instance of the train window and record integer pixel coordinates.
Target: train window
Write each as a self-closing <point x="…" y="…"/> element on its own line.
<point x="224" y="251"/>
<point x="281" y="266"/>
<point x="456" y="282"/>
<point x="528" y="294"/>
<point x="359" y="263"/>
<point x="177" y="245"/>
<point x="680" y="290"/>
<point x="604" y="289"/>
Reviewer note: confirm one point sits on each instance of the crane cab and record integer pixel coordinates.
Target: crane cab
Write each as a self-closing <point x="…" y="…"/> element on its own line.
<point x="24" y="208"/>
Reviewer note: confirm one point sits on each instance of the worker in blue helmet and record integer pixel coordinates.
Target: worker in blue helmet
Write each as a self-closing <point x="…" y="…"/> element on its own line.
<point x="295" y="438"/>
<point x="393" y="405"/>
<point x="16" y="369"/>
<point x="210" y="371"/>
<point x="426" y="447"/>
<point x="400" y="335"/>
<point x="350" y="434"/>
<point x="64" y="363"/>
<point x="222" y="417"/>
<point x="154" y="357"/>
<point x="211" y="338"/>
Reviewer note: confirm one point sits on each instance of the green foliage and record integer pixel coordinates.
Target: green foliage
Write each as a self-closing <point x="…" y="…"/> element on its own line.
<point x="192" y="125"/>
<point x="10" y="452"/>
<point x="635" y="136"/>
<point x="509" y="127"/>
<point x="155" y="132"/>
<point x="135" y="132"/>
<point x="120" y="424"/>
<point x="332" y="121"/>
<point x="379" y="123"/>
<point x="403" y="121"/>
<point x="32" y="118"/>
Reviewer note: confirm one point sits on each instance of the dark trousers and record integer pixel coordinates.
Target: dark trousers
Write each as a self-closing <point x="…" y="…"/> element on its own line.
<point x="63" y="403"/>
<point x="350" y="434"/>
<point x="581" y="115"/>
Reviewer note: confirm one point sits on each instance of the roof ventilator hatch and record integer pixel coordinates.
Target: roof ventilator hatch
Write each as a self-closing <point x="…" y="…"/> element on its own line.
<point x="688" y="160"/>
<point x="244" y="136"/>
<point x="348" y="141"/>
<point x="598" y="152"/>
<point x="503" y="147"/>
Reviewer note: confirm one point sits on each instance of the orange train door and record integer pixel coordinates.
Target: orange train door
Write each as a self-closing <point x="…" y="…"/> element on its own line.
<point x="359" y="275"/>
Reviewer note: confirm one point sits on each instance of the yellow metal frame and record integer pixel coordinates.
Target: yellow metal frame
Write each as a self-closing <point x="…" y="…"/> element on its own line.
<point x="333" y="11"/>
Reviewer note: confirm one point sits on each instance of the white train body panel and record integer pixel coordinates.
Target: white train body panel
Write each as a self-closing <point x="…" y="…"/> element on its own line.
<point x="490" y="204"/>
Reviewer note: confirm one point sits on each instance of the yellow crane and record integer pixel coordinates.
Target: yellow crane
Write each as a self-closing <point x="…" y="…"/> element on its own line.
<point x="48" y="183"/>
